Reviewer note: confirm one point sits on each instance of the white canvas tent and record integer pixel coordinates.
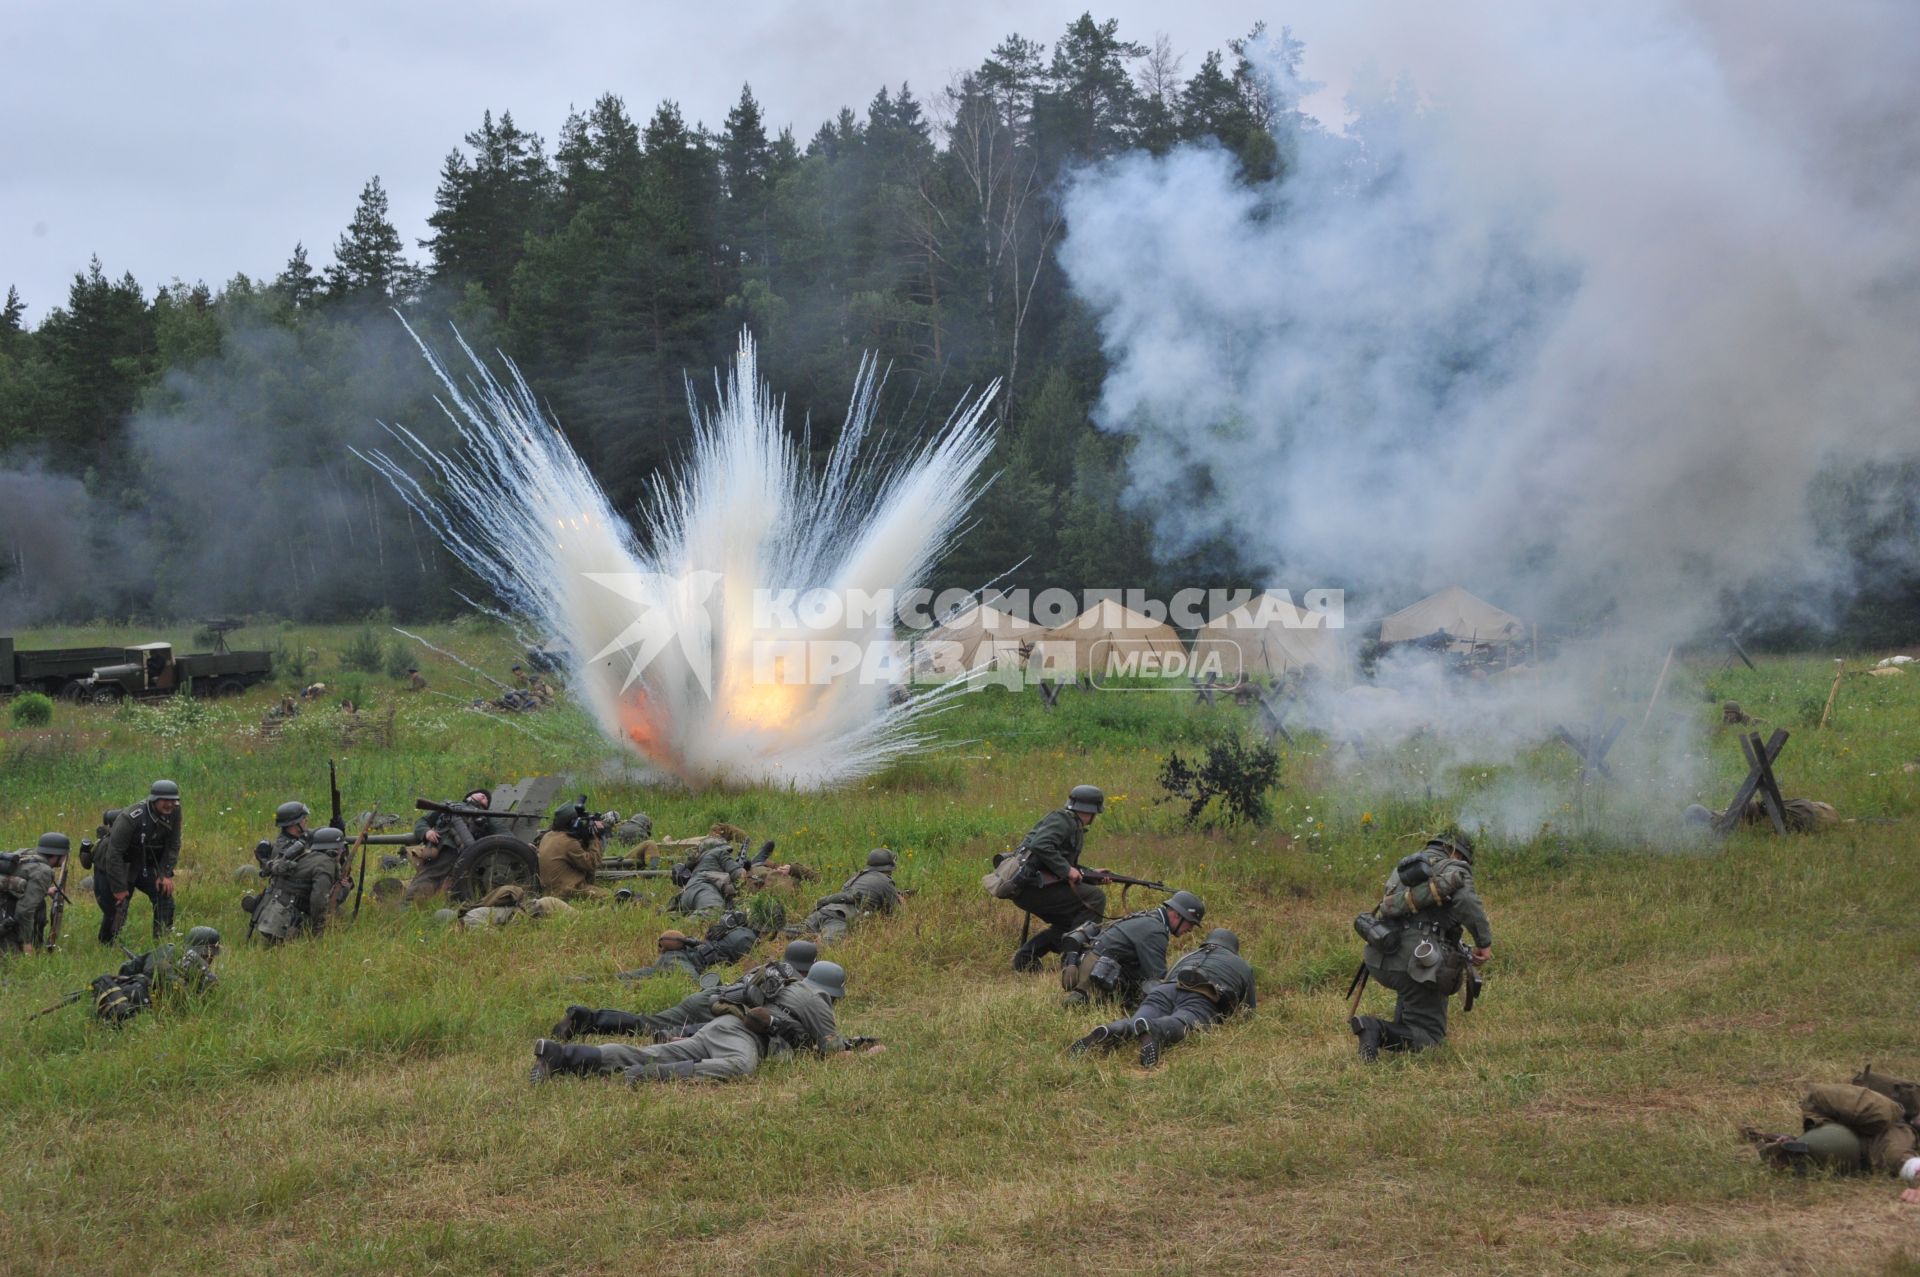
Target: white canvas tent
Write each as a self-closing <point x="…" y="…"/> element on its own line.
<point x="979" y="638"/>
<point x="1469" y="620"/>
<point x="1109" y="640"/>
<point x="1266" y="637"/>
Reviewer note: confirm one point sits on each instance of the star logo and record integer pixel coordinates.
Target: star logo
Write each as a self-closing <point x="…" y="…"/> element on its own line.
<point x="670" y="607"/>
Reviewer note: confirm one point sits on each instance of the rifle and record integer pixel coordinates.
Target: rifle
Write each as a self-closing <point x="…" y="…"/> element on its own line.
<point x="1102" y="877"/>
<point x="60" y="903"/>
<point x="333" y="787"/>
<point x="855" y="1043"/>
<point x="67" y="1001"/>
<point x="360" y="883"/>
<point x="1355" y="990"/>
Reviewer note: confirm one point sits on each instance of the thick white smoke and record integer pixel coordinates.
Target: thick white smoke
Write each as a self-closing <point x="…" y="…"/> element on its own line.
<point x="1569" y="309"/>
<point x="678" y="647"/>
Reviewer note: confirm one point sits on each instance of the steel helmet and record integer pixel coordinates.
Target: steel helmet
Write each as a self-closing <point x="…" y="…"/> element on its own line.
<point x="829" y="978"/>
<point x="1188" y="906"/>
<point x="53" y="844"/>
<point x="880" y="858"/>
<point x="291" y="813"/>
<point x="164" y="789"/>
<point x="800" y="955"/>
<point x="1086" y="798"/>
<point x="1452" y="839"/>
<point x="1225" y="939"/>
<point x="326" y="836"/>
<point x="203" y="938"/>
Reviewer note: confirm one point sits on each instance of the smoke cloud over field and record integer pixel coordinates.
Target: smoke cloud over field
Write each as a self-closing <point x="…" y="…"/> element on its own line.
<point x="240" y="492"/>
<point x="1571" y="309"/>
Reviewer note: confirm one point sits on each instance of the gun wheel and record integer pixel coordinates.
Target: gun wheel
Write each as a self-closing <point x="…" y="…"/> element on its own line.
<point x="498" y="860"/>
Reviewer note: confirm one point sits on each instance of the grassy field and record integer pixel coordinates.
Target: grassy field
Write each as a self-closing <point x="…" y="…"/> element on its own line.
<point x="359" y="1104"/>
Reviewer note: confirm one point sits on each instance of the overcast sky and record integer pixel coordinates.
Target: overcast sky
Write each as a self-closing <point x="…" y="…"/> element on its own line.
<point x="194" y="140"/>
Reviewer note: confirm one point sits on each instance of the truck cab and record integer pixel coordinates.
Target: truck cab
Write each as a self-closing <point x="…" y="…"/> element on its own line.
<point x="148" y="669"/>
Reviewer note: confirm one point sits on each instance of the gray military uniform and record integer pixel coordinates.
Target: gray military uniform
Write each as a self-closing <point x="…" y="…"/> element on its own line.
<point x="23" y="899"/>
<point x="1053" y="849"/>
<point x="301" y="890"/>
<point x="1138" y="943"/>
<point x="140" y="850"/>
<point x="867" y="892"/>
<point x="1422" y="963"/>
<point x="726" y="1047"/>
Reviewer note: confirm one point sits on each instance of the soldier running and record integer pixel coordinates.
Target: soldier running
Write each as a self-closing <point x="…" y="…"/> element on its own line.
<point x="1054" y="890"/>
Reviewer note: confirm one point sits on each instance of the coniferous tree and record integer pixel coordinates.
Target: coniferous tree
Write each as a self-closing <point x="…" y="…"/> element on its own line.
<point x="486" y="207"/>
<point x="298" y="281"/>
<point x="1088" y="108"/>
<point x="369" y="264"/>
<point x="100" y="352"/>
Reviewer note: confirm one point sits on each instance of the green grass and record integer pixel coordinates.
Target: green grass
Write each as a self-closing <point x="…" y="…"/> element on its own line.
<point x="359" y="1105"/>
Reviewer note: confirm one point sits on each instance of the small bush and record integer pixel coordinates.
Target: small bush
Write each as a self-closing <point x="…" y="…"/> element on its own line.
<point x="364" y="653"/>
<point x="400" y="659"/>
<point x="1236" y="773"/>
<point x="31" y="710"/>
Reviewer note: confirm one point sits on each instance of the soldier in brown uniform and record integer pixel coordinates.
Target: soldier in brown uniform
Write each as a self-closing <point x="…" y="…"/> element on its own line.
<point x="1866" y="1127"/>
<point x="570" y="851"/>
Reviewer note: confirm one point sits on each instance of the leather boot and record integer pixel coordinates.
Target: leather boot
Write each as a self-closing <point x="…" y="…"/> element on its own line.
<point x="1369" y="1030"/>
<point x="1394" y="1038"/>
<point x="1155" y="1037"/>
<point x="620" y="1023"/>
<point x="550" y="1057"/>
<point x="577" y="1020"/>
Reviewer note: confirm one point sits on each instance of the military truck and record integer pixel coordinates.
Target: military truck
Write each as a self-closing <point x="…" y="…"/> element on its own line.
<point x="152" y="669"/>
<point x="57" y="671"/>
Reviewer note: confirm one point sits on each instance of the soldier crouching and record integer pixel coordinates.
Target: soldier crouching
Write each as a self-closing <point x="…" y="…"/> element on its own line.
<point x="1413" y="945"/>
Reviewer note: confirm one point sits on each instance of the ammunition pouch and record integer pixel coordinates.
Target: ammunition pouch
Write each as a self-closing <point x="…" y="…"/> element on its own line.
<point x="9" y="861"/>
<point x="1097" y="976"/>
<point x="250" y="901"/>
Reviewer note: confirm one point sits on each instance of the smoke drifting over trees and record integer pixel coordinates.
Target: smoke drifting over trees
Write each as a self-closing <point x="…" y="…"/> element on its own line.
<point x="1584" y="310"/>
<point x="1590" y="309"/>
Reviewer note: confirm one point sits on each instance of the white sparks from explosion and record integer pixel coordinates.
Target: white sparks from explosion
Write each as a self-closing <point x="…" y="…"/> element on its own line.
<point x="661" y="620"/>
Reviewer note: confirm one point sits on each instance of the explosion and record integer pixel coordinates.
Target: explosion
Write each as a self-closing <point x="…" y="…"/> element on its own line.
<point x="673" y="647"/>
